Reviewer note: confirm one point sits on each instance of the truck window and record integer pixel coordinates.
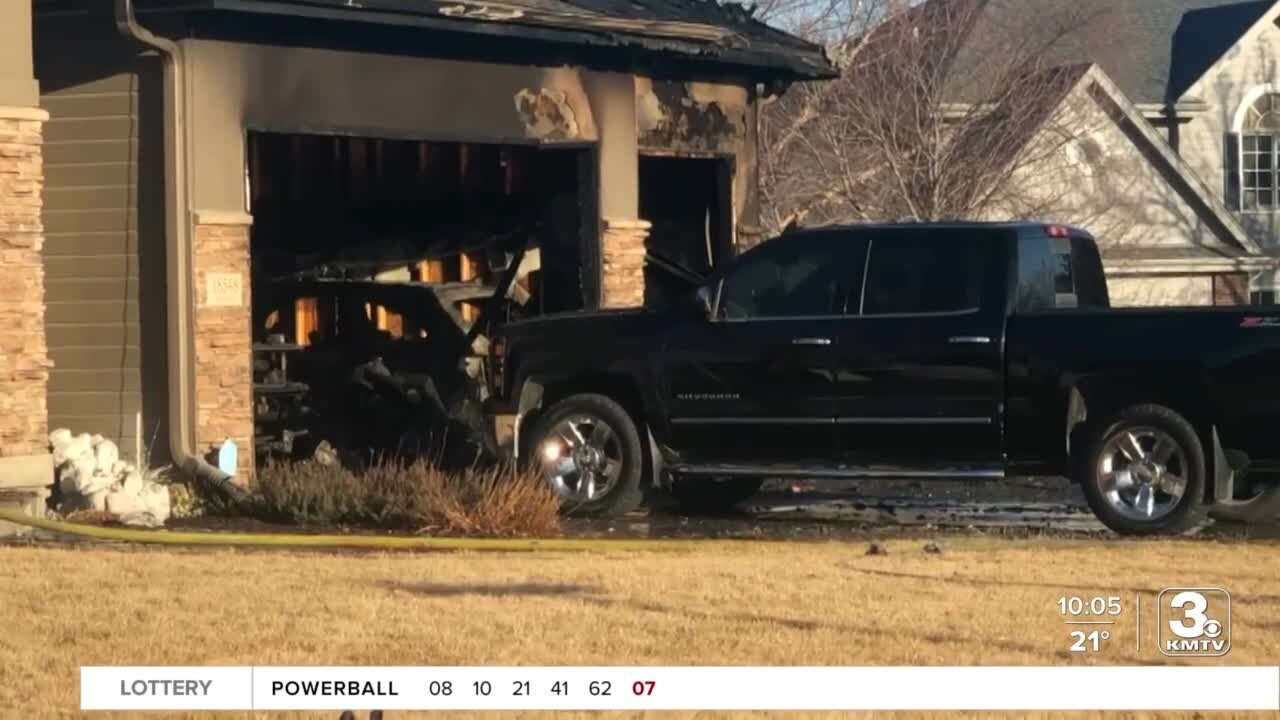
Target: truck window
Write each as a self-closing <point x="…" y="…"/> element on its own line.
<point x="1090" y="280"/>
<point x="1064" y="281"/>
<point x="1059" y="273"/>
<point x="799" y="276"/>
<point x="921" y="275"/>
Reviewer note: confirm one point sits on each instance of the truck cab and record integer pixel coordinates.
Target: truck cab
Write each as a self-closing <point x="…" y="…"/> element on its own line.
<point x="965" y="350"/>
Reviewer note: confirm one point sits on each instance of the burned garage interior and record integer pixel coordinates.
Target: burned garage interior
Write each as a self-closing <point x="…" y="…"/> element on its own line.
<point x="688" y="201"/>
<point x="376" y="266"/>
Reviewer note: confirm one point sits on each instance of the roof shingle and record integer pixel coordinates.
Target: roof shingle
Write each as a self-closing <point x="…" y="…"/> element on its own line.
<point x="1154" y="50"/>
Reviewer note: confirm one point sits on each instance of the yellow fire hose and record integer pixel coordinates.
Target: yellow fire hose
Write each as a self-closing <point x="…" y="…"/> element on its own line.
<point x="357" y="542"/>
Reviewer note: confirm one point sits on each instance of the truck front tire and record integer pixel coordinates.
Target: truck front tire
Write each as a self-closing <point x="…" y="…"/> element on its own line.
<point x="587" y="448"/>
<point x="1143" y="472"/>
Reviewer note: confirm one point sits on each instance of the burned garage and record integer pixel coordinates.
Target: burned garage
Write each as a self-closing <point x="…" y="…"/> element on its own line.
<point x="288" y="224"/>
<point x="376" y="266"/>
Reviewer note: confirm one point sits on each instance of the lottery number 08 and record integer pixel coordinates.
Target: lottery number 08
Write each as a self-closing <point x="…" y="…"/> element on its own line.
<point x="437" y="687"/>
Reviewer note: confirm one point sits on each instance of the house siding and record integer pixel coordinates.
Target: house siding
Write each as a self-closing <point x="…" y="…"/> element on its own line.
<point x="1105" y="178"/>
<point x="1206" y="140"/>
<point x="1161" y="291"/>
<point x="95" y="254"/>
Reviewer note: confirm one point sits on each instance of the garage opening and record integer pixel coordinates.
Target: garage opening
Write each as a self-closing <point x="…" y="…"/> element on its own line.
<point x="689" y="201"/>
<point x="377" y="266"/>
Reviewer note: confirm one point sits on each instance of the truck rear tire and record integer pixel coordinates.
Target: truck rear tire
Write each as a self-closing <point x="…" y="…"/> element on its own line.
<point x="588" y="450"/>
<point x="713" y="494"/>
<point x="1143" y="472"/>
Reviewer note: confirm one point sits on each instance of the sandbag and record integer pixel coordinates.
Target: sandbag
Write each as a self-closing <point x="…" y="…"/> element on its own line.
<point x="96" y="482"/>
<point x="59" y="440"/>
<point x="132" y="483"/>
<point x="156" y="500"/>
<point x="107" y="454"/>
<point x="140" y="519"/>
<point x="84" y="466"/>
<point x="123" y="503"/>
<point x="77" y="447"/>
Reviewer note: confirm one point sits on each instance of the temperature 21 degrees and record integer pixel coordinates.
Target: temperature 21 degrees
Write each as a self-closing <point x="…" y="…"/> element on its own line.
<point x="1089" y="641"/>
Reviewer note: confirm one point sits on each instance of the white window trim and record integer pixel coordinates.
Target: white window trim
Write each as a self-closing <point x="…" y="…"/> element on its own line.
<point x="1263" y="282"/>
<point x="1251" y="97"/>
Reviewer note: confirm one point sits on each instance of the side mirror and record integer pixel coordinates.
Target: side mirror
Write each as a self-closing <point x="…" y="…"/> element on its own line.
<point x="704" y="299"/>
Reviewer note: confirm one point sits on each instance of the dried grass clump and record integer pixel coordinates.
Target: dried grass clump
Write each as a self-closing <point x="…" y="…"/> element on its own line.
<point x="417" y="496"/>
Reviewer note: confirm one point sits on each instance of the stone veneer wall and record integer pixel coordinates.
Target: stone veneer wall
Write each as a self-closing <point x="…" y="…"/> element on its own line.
<point x="622" y="261"/>
<point x="223" y="337"/>
<point x="24" y="355"/>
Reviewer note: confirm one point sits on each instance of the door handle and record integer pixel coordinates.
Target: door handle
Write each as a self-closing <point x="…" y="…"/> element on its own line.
<point x="970" y="340"/>
<point x="811" y="341"/>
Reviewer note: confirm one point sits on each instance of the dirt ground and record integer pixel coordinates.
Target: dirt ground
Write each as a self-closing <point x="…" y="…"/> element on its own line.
<point x="982" y="600"/>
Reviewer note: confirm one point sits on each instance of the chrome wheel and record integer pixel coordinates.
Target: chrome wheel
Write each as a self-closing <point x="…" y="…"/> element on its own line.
<point x="581" y="458"/>
<point x="1142" y="473"/>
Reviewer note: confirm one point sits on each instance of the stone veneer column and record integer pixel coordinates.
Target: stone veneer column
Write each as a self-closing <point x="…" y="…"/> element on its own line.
<point x="26" y="466"/>
<point x="223" y="336"/>
<point x="622" y="261"/>
<point x="24" y="356"/>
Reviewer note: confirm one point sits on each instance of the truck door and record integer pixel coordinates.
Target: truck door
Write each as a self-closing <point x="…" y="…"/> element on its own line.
<point x="919" y="372"/>
<point x="752" y="385"/>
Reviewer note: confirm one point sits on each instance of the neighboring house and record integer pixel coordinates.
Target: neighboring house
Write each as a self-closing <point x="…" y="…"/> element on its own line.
<point x="153" y="160"/>
<point x="1178" y="170"/>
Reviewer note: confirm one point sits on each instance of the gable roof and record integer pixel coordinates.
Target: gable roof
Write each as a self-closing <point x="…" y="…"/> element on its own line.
<point x="1154" y="50"/>
<point x="704" y="31"/>
<point x="1234" y="241"/>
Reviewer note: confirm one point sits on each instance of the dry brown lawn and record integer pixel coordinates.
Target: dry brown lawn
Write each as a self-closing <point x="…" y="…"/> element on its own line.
<point x="982" y="601"/>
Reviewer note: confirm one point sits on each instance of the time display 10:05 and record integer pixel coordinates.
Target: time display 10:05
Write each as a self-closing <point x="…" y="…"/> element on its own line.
<point x="1097" y="605"/>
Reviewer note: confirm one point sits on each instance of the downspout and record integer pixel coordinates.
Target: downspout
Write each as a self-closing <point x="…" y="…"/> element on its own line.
<point x="181" y="325"/>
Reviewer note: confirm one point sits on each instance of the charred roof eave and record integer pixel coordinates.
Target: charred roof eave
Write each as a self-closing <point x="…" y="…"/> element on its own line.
<point x="736" y="48"/>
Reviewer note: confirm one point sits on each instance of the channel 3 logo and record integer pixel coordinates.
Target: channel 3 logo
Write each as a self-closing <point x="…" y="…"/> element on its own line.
<point x="1195" y="622"/>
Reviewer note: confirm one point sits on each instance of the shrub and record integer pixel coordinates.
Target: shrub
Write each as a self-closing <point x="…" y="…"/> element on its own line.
<point x="416" y="496"/>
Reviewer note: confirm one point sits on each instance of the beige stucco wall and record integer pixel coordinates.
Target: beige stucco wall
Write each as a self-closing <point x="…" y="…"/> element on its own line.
<point x="18" y="86"/>
<point x="1156" y="290"/>
<point x="1203" y="141"/>
<point x="236" y="86"/>
<point x="706" y="119"/>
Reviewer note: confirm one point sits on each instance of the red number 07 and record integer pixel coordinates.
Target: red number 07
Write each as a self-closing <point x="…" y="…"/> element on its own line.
<point x="642" y="687"/>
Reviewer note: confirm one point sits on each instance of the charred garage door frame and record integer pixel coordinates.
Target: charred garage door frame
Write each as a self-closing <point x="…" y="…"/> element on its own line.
<point x="588" y="173"/>
<point x="669" y="181"/>
<point x="404" y="250"/>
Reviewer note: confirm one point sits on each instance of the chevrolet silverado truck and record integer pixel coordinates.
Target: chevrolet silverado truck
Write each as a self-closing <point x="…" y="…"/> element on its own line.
<point x="900" y="351"/>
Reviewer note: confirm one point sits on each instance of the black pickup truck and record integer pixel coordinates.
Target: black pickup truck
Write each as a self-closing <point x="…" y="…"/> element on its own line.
<point x="912" y="351"/>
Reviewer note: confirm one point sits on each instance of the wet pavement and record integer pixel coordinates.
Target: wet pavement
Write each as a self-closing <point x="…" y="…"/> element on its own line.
<point x="869" y="509"/>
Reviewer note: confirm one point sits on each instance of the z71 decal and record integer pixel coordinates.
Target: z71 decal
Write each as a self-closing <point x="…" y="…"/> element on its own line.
<point x="1253" y="322"/>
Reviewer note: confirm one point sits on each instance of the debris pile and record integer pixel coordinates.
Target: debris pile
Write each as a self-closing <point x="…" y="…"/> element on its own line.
<point x="91" y="476"/>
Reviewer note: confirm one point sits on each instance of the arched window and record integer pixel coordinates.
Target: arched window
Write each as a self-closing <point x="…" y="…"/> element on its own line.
<point x="1259" y="152"/>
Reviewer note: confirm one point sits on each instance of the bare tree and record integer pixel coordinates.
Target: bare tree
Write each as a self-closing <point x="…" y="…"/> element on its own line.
<point x="940" y="111"/>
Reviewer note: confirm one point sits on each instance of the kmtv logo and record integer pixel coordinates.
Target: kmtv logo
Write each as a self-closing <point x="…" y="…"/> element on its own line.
<point x="1195" y="622"/>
